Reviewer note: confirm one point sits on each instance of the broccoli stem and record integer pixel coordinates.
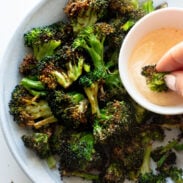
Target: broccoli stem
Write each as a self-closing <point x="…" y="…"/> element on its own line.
<point x="51" y="161"/>
<point x="84" y="175"/>
<point x="29" y="83"/>
<point x="145" y="167"/>
<point x="44" y="122"/>
<point x="35" y="87"/>
<point x="92" y="93"/>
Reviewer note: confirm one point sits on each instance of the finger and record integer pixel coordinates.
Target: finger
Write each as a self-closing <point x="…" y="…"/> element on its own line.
<point x="172" y="60"/>
<point x="174" y="81"/>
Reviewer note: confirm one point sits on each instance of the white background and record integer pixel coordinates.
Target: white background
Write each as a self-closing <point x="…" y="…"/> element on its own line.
<point x="11" y="13"/>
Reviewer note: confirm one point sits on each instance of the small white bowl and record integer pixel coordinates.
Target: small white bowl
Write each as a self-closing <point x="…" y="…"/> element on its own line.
<point x="163" y="18"/>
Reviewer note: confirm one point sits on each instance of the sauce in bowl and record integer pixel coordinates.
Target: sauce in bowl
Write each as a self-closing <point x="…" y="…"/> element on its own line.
<point x="147" y="52"/>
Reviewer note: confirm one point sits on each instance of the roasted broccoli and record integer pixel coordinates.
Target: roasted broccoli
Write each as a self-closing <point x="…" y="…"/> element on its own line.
<point x="61" y="69"/>
<point x="111" y="89"/>
<point x="113" y="173"/>
<point x="155" y="80"/>
<point x="91" y="39"/>
<point x="78" y="155"/>
<point x="115" y="120"/>
<point x="44" y="40"/>
<point x="73" y="104"/>
<point x="28" y="110"/>
<point x="71" y="108"/>
<point x="28" y="66"/>
<point x="176" y="174"/>
<point x="39" y="143"/>
<point x="82" y="13"/>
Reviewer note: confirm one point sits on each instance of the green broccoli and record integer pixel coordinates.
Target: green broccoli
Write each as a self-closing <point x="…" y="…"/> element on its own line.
<point x="71" y="108"/>
<point x="146" y="175"/>
<point x="164" y="156"/>
<point x="78" y="156"/>
<point x="155" y="80"/>
<point x="176" y="174"/>
<point x="39" y="143"/>
<point x="91" y="39"/>
<point x="61" y="69"/>
<point x="44" y="40"/>
<point x="115" y="119"/>
<point x="34" y="86"/>
<point x="28" y="110"/>
<point x="82" y="13"/>
<point x="113" y="173"/>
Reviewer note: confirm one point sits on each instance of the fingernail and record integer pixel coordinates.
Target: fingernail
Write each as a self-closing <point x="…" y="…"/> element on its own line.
<point x="171" y="81"/>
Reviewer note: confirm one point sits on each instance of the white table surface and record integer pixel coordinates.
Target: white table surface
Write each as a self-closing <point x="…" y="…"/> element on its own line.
<point x="11" y="13"/>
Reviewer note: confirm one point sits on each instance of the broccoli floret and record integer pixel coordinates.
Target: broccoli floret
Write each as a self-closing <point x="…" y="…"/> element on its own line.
<point x="82" y="13"/>
<point x="164" y="156"/>
<point x="91" y="84"/>
<point x="115" y="120"/>
<point x="71" y="108"/>
<point x="39" y="143"/>
<point x="155" y="80"/>
<point x="78" y="154"/>
<point x="91" y="39"/>
<point x="111" y="88"/>
<point x="28" y="66"/>
<point x="28" y="110"/>
<point x="123" y="15"/>
<point x="152" y="178"/>
<point x="45" y="40"/>
<point x="176" y="174"/>
<point x="113" y="173"/>
<point x="61" y="69"/>
<point x="146" y="175"/>
<point x="140" y="112"/>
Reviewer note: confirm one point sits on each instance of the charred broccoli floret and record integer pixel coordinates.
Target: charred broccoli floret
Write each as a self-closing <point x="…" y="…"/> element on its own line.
<point x="62" y="69"/>
<point x="113" y="173"/>
<point x="39" y="143"/>
<point x="44" y="40"/>
<point x="115" y="120"/>
<point x="28" y="67"/>
<point x="78" y="156"/>
<point x="28" y="110"/>
<point x="83" y="13"/>
<point x="71" y="108"/>
<point x="155" y="80"/>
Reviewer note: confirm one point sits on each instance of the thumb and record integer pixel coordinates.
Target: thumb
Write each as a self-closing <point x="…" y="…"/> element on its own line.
<point x="174" y="81"/>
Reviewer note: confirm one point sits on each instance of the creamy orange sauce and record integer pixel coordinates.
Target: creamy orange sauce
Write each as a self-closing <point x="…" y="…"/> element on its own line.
<point x="148" y="51"/>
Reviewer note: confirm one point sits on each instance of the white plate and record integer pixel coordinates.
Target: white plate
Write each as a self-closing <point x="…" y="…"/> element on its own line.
<point x="45" y="13"/>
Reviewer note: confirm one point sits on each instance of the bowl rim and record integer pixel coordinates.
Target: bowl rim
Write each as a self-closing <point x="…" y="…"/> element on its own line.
<point x="165" y="110"/>
<point x="3" y="126"/>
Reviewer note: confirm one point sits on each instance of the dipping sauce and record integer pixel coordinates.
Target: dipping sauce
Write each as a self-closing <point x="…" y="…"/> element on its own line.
<point x="147" y="52"/>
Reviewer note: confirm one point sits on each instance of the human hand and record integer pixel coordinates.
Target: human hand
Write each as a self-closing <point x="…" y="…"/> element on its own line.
<point x="172" y="62"/>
